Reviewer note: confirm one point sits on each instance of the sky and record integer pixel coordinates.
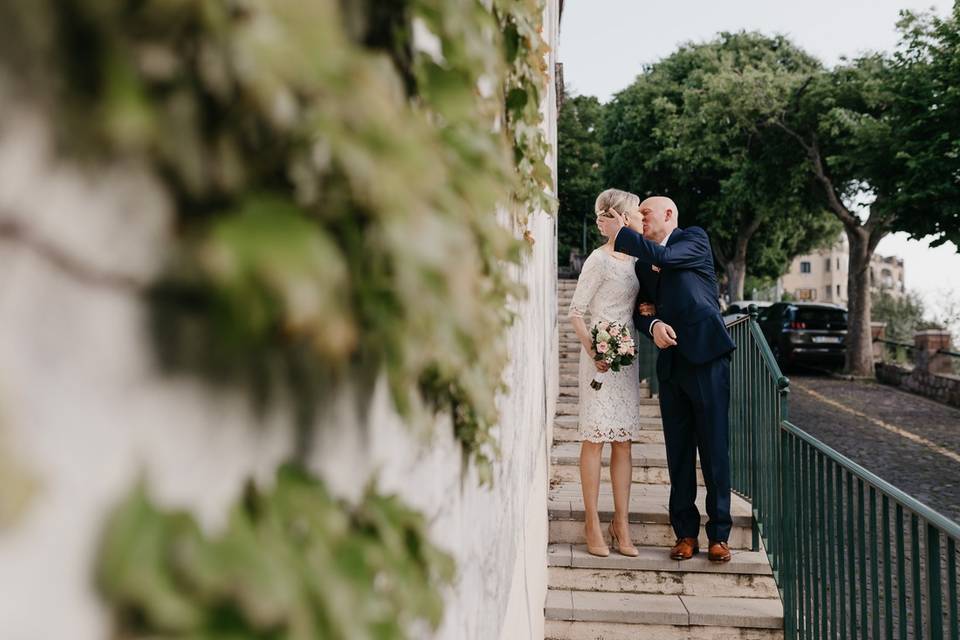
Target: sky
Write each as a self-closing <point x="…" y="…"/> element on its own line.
<point x="605" y="43"/>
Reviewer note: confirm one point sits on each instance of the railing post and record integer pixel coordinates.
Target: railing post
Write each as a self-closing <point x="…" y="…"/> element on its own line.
<point x="753" y="448"/>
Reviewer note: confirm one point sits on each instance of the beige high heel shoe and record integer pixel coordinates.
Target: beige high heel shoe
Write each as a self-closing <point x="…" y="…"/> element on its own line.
<point x="602" y="551"/>
<point x="629" y="551"/>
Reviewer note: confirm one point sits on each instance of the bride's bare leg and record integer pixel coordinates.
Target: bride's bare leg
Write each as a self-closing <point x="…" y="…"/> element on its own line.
<point x="621" y="474"/>
<point x="590" y="483"/>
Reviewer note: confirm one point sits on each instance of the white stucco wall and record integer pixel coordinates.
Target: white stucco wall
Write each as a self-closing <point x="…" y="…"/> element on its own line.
<point x="84" y="411"/>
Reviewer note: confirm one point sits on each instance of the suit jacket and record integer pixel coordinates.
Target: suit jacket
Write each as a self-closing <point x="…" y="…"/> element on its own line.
<point x="687" y="295"/>
<point x="649" y="285"/>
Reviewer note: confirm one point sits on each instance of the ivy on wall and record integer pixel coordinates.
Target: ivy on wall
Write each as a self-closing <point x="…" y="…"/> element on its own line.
<point x="292" y="563"/>
<point x="335" y="168"/>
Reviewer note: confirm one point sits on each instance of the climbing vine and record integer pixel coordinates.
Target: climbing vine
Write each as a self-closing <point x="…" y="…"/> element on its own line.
<point x="291" y="563"/>
<point x="335" y="168"/>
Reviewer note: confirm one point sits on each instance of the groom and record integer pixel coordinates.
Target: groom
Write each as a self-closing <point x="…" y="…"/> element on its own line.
<point x="693" y="368"/>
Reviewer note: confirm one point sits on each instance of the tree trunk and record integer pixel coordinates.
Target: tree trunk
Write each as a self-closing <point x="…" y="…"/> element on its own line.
<point x="859" y="338"/>
<point x="736" y="271"/>
<point x="735" y="264"/>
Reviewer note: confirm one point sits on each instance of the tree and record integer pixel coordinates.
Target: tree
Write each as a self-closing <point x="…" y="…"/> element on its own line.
<point x="671" y="132"/>
<point x="884" y="132"/>
<point x="904" y="315"/>
<point x="579" y="174"/>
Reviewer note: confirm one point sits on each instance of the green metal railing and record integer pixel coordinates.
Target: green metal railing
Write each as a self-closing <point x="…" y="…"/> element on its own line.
<point x="647" y="363"/>
<point x="896" y="351"/>
<point x="853" y="556"/>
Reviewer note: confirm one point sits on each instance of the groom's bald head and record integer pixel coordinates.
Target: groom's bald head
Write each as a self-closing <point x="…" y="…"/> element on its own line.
<point x="660" y="217"/>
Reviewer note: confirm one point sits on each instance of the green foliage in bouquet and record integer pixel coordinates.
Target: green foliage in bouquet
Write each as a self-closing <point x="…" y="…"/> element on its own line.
<point x="292" y="563"/>
<point x="335" y="169"/>
<point x="608" y="338"/>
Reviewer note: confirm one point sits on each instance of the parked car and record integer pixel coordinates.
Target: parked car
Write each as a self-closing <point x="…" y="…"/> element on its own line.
<point x="740" y="307"/>
<point x="806" y="333"/>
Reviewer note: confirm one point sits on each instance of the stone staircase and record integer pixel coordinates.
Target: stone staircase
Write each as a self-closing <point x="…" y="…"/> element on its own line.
<point x="651" y="596"/>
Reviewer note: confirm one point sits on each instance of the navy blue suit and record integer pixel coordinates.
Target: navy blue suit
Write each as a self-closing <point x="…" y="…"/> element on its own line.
<point x="694" y="375"/>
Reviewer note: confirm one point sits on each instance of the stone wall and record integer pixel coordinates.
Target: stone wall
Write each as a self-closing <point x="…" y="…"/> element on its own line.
<point x="84" y="411"/>
<point x="931" y="375"/>
<point x="942" y="387"/>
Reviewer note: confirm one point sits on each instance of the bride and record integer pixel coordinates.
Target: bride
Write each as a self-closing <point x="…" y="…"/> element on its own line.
<point x="607" y="289"/>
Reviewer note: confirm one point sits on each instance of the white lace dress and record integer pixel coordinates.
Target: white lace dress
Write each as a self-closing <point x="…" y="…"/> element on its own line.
<point x="607" y="289"/>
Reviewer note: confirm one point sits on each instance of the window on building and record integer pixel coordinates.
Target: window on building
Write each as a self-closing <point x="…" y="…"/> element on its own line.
<point x="826" y="292"/>
<point x="886" y="279"/>
<point x="838" y="291"/>
<point x="838" y="264"/>
<point x="827" y="266"/>
<point x="804" y="267"/>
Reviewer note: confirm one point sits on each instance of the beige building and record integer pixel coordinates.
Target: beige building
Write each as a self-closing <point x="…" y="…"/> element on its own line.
<point x="822" y="276"/>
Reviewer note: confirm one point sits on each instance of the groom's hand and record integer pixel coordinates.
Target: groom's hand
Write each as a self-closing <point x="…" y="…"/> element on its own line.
<point x="664" y="336"/>
<point x="611" y="225"/>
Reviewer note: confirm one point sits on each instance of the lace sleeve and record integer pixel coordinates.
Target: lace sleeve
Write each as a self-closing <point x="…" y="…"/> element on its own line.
<point x="591" y="277"/>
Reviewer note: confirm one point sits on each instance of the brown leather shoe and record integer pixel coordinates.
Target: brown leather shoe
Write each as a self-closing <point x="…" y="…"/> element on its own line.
<point x="719" y="551"/>
<point x="685" y="548"/>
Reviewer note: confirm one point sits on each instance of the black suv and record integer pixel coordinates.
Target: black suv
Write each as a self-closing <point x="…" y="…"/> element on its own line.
<point x="806" y="333"/>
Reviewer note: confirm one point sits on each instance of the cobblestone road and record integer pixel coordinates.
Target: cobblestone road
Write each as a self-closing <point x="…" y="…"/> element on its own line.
<point x="916" y="448"/>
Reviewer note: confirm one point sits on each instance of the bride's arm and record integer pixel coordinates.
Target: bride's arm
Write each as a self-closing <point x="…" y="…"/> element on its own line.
<point x="591" y="276"/>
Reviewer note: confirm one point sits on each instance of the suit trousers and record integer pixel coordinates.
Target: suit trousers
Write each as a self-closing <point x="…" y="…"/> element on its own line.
<point x="694" y="404"/>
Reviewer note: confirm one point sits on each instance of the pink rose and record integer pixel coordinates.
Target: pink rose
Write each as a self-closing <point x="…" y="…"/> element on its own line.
<point x="630" y="350"/>
<point x="602" y="347"/>
<point x="603" y="326"/>
<point x="624" y="349"/>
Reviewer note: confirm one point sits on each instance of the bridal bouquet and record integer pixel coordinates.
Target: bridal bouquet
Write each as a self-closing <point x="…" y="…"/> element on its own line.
<point x="614" y="345"/>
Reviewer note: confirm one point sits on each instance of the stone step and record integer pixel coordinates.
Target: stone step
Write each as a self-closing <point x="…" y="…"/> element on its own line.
<point x="747" y="575"/>
<point x="648" y="504"/>
<point x="566" y="466"/>
<point x="644" y="455"/>
<point x="650" y="424"/>
<point x="651" y="534"/>
<point x="639" y="475"/>
<point x="573" y="380"/>
<point x="649" y="408"/>
<point x="572" y="394"/>
<point x="649" y="521"/>
<point x="579" y="615"/>
<point x="744" y="562"/>
<point x="572" y="434"/>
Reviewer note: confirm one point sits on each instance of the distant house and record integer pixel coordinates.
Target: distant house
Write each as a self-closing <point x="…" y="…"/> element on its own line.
<point x="822" y="276"/>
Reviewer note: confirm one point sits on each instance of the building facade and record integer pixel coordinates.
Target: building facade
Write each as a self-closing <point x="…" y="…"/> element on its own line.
<point x="821" y="276"/>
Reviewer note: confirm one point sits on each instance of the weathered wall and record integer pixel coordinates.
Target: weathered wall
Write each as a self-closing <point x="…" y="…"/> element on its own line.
<point x="942" y="387"/>
<point x="84" y="411"/>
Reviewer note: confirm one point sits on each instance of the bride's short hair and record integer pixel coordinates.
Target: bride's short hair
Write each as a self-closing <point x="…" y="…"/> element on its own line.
<point x="621" y="201"/>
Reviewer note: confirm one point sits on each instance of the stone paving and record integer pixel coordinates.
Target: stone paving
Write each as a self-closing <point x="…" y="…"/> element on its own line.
<point x="920" y="466"/>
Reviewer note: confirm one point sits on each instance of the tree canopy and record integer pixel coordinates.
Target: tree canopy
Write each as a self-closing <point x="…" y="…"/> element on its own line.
<point x="579" y="174"/>
<point x="882" y="140"/>
<point x="675" y="131"/>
